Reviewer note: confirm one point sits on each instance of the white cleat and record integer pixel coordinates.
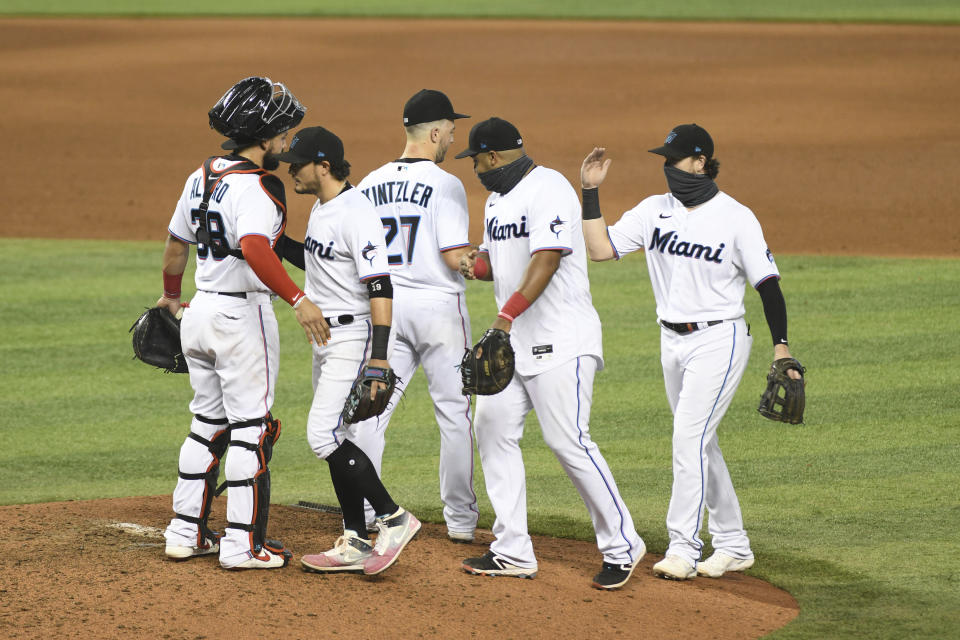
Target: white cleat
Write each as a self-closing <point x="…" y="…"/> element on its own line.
<point x="182" y="552"/>
<point x="266" y="559"/>
<point x="720" y="563"/>
<point x="674" y="568"/>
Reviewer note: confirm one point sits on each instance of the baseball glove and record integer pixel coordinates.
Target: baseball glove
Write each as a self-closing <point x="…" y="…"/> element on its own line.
<point x="156" y="340"/>
<point x="784" y="391"/>
<point x="488" y="367"/>
<point x="360" y="403"/>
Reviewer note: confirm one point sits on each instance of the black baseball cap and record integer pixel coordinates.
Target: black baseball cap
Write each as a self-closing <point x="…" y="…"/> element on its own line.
<point x="313" y="144"/>
<point x="428" y="105"/>
<point x="686" y="140"/>
<point x="495" y="134"/>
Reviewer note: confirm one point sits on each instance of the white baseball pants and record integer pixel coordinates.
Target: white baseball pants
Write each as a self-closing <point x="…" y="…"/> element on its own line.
<point x="562" y="398"/>
<point x="232" y="348"/>
<point x="432" y="329"/>
<point x="701" y="372"/>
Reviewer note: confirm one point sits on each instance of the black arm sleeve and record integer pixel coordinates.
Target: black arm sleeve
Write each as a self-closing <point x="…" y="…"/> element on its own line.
<point x="291" y="250"/>
<point x="774" y="308"/>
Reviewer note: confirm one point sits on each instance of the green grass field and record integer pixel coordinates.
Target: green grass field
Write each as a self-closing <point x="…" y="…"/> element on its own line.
<point x="932" y="11"/>
<point x="852" y="513"/>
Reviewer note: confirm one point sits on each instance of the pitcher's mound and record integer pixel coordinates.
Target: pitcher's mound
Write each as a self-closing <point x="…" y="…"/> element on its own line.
<point x="96" y="569"/>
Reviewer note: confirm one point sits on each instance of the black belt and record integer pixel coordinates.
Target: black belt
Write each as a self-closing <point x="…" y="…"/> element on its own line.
<point x="688" y="327"/>
<point x="340" y="320"/>
<point x="337" y="321"/>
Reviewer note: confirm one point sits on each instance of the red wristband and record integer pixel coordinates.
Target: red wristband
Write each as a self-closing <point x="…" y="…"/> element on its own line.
<point x="480" y="268"/>
<point x="516" y="305"/>
<point x="171" y="285"/>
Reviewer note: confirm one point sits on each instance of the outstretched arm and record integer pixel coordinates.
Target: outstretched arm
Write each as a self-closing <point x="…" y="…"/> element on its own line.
<point x="535" y="279"/>
<point x="593" y="171"/>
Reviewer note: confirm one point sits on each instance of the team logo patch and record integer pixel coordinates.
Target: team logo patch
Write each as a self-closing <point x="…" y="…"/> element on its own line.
<point x="769" y="256"/>
<point x="369" y="252"/>
<point x="670" y="137"/>
<point x="556" y="226"/>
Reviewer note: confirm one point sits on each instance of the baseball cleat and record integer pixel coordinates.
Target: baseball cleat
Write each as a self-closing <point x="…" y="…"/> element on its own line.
<point x="674" y="568"/>
<point x="347" y="556"/>
<point x="463" y="537"/>
<point x="614" y="576"/>
<point x="395" y="532"/>
<point x="182" y="552"/>
<point x="266" y="559"/>
<point x="490" y="564"/>
<point x="719" y="563"/>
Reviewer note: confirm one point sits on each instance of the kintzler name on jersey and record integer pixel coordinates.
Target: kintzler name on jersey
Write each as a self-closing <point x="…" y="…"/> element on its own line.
<point x="399" y="191"/>
<point x="668" y="243"/>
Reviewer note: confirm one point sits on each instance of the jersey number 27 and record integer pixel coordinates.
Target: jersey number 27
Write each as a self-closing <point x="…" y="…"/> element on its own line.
<point x="406" y="241"/>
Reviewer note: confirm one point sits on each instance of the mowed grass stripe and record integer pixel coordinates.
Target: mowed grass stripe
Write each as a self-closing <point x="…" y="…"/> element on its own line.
<point x="850" y="512"/>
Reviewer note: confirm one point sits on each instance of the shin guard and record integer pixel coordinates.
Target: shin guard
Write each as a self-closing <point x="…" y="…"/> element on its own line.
<point x="217" y="446"/>
<point x="259" y="484"/>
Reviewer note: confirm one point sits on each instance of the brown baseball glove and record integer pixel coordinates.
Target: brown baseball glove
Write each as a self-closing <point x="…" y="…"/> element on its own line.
<point x="784" y="392"/>
<point x="488" y="367"/>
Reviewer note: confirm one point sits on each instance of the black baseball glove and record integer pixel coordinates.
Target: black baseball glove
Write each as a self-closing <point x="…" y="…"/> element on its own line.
<point x="361" y="404"/>
<point x="785" y="392"/>
<point x="156" y="340"/>
<point x="488" y="367"/>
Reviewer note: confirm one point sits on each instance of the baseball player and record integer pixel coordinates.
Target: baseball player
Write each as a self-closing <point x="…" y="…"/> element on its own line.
<point x="702" y="246"/>
<point x="533" y="251"/>
<point x="424" y="213"/>
<point x="234" y="210"/>
<point x="349" y="278"/>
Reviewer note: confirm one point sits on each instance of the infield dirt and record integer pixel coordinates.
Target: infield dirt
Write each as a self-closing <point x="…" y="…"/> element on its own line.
<point x="841" y="138"/>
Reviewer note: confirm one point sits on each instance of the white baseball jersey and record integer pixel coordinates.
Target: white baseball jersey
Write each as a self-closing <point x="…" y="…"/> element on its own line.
<point x="241" y="205"/>
<point x="541" y="213"/>
<point x="698" y="260"/>
<point x="343" y="247"/>
<point x="422" y="208"/>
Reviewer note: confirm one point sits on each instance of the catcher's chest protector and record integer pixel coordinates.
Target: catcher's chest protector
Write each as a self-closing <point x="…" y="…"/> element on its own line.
<point x="212" y="182"/>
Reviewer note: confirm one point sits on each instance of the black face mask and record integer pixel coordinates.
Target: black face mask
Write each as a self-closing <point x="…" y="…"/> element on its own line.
<point x="505" y="178"/>
<point x="690" y="188"/>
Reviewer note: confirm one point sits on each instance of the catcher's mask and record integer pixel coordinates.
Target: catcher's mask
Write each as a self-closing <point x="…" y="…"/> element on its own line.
<point x="255" y="108"/>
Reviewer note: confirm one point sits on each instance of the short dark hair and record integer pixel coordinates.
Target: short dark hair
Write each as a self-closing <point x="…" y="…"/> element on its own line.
<point x="340" y="170"/>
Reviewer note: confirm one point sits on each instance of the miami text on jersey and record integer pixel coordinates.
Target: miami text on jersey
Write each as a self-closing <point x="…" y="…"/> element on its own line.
<point x="667" y="243"/>
<point x="318" y="249"/>
<point x="399" y="191"/>
<point x="506" y="231"/>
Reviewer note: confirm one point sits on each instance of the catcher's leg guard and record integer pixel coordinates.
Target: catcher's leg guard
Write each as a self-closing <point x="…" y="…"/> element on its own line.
<point x="259" y="483"/>
<point x="216" y="446"/>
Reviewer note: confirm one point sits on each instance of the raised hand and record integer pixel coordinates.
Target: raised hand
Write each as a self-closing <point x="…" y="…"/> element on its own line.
<point x="593" y="171"/>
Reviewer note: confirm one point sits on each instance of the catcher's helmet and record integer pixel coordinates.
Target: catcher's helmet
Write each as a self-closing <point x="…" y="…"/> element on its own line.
<point x="255" y="108"/>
